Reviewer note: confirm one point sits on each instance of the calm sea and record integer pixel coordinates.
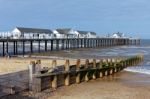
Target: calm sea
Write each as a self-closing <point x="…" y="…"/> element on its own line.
<point x="120" y="51"/>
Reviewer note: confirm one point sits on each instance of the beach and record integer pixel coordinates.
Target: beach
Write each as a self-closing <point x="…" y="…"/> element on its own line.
<point x="123" y="85"/>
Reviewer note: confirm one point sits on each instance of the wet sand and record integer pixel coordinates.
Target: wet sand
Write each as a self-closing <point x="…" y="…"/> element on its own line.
<point x="123" y="85"/>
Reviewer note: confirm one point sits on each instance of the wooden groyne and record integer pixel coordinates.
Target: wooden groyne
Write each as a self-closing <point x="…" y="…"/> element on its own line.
<point x="27" y="46"/>
<point x="41" y="79"/>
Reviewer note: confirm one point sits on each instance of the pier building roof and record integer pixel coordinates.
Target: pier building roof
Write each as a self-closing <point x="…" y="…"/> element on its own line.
<point x="33" y="30"/>
<point x="64" y="30"/>
<point x="82" y="32"/>
<point x="86" y="32"/>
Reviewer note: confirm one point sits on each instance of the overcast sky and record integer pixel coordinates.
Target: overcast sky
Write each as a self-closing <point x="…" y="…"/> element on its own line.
<point x="102" y="16"/>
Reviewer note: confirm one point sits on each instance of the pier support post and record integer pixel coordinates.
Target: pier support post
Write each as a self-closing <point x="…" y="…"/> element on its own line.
<point x="51" y="45"/>
<point x="23" y="44"/>
<point x="14" y="47"/>
<point x="45" y="45"/>
<point x="7" y="46"/>
<point x="31" y="46"/>
<point x="39" y="49"/>
<point x="57" y="44"/>
<point x="3" y="48"/>
<point x="62" y="44"/>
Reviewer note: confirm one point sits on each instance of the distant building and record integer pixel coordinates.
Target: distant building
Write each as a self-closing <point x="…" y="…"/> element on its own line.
<point x="85" y="34"/>
<point x="31" y="33"/>
<point x="81" y="34"/>
<point x="118" y="35"/>
<point x="64" y="33"/>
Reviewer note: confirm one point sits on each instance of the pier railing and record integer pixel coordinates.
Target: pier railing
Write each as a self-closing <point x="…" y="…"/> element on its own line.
<point x="41" y="79"/>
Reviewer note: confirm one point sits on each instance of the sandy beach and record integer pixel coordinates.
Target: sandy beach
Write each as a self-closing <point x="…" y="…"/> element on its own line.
<point x="123" y="85"/>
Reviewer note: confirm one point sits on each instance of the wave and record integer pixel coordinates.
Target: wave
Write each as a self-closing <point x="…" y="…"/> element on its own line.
<point x="143" y="71"/>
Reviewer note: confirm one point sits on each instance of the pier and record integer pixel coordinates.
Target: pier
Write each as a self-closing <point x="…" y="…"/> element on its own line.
<point x="28" y="46"/>
<point x="65" y="75"/>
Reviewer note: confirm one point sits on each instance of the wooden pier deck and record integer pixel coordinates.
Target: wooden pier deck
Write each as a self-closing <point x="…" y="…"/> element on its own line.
<point x="27" y="46"/>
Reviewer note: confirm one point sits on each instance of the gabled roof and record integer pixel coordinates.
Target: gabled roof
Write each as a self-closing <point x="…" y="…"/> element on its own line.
<point x="63" y="30"/>
<point x="93" y="33"/>
<point x="33" y="30"/>
<point x="82" y="32"/>
<point x="118" y="34"/>
<point x="86" y="32"/>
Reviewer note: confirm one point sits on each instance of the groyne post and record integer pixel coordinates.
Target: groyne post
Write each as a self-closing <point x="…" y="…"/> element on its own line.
<point x="86" y="67"/>
<point x="78" y="63"/>
<point x="54" y="77"/>
<point x="67" y="76"/>
<point x="95" y="69"/>
<point x="31" y="72"/>
<point x="100" y="67"/>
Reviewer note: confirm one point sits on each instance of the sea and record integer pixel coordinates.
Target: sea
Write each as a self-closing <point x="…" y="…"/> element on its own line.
<point x="117" y="51"/>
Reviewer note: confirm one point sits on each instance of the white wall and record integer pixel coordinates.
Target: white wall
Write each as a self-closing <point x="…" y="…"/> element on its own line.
<point x="16" y="33"/>
<point x="89" y="35"/>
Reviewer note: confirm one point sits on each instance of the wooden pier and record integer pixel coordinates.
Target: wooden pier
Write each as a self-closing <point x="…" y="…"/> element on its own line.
<point x="27" y="46"/>
<point x="70" y="74"/>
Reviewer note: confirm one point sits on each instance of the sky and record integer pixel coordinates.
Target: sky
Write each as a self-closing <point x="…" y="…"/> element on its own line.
<point x="131" y="17"/>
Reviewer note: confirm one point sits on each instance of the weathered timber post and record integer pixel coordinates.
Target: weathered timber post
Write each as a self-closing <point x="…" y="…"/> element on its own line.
<point x="31" y="72"/>
<point x="100" y="66"/>
<point x="94" y="66"/>
<point x="87" y="73"/>
<point x="94" y="63"/>
<point x="115" y="65"/>
<point x="111" y="68"/>
<point x="118" y="65"/>
<point x="38" y="66"/>
<point x="54" y="78"/>
<point x="106" y="66"/>
<point x="54" y="64"/>
<point x="67" y="68"/>
<point x="78" y="72"/>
